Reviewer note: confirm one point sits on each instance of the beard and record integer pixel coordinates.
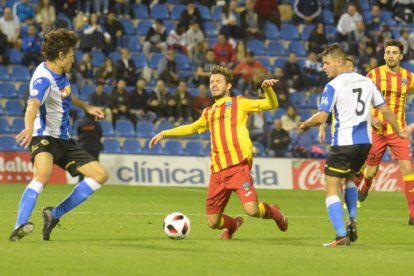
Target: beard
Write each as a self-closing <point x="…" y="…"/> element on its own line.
<point x="220" y="95"/>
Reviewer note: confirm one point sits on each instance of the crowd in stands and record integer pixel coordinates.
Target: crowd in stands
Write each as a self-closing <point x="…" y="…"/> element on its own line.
<point x="150" y="60"/>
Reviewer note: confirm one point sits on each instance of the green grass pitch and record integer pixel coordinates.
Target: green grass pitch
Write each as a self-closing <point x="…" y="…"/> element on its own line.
<point x="118" y="231"/>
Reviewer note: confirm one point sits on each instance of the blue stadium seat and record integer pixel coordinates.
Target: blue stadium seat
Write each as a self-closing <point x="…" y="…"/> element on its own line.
<point x="407" y="65"/>
<point x="289" y="32"/>
<point x="86" y="91"/>
<point x="193" y="91"/>
<point x="173" y="147"/>
<point x="304" y="114"/>
<point x="115" y="56"/>
<point x="169" y="25"/>
<point x="256" y="46"/>
<point x="205" y="135"/>
<point x="176" y="11"/>
<point x="386" y="156"/>
<point x="78" y="55"/>
<point x="159" y="11"/>
<point x="271" y="31"/>
<point x="98" y="58"/>
<point x="313" y="100"/>
<point x="164" y="126"/>
<point x="111" y="146"/>
<point x="207" y="150"/>
<point x="124" y="128"/>
<point x="143" y="27"/>
<point x="330" y="31"/>
<point x="365" y="5"/>
<point x="4" y="73"/>
<point x="194" y="148"/>
<point x="217" y="13"/>
<point x="131" y="146"/>
<point x="145" y="129"/>
<point x="328" y="18"/>
<point x="266" y="63"/>
<point x="155" y="59"/>
<point x="279" y="62"/>
<point x="210" y="29"/>
<point x="307" y="29"/>
<point x="23" y="91"/>
<point x="156" y="150"/>
<point x="128" y="26"/>
<point x="17" y="125"/>
<point x="182" y="61"/>
<point x="140" y="60"/>
<point x="13" y="108"/>
<point x="7" y="91"/>
<point x="279" y="113"/>
<point x="10" y="3"/>
<point x="8" y="143"/>
<point x="132" y="43"/>
<point x="298" y="48"/>
<point x="204" y="12"/>
<point x="140" y="11"/>
<point x="15" y="56"/>
<point x="276" y="48"/>
<point x="259" y="149"/>
<point x="20" y="73"/>
<point x="367" y="15"/>
<point x="313" y="133"/>
<point x="297" y="99"/>
<point x="4" y="126"/>
<point x="328" y="135"/>
<point x="409" y="118"/>
<point x="107" y="129"/>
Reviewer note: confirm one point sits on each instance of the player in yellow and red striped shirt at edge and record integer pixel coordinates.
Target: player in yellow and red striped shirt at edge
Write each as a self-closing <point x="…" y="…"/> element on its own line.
<point x="231" y="152"/>
<point x="394" y="83"/>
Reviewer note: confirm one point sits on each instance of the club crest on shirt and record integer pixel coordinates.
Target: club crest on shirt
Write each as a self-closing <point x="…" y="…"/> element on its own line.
<point x="246" y="186"/>
<point x="228" y="104"/>
<point x="65" y="92"/>
<point x="324" y="101"/>
<point x="404" y="81"/>
<point x="34" y="92"/>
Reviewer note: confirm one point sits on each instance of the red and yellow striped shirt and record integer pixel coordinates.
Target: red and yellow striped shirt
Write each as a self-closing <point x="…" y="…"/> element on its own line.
<point x="227" y="121"/>
<point x="394" y="88"/>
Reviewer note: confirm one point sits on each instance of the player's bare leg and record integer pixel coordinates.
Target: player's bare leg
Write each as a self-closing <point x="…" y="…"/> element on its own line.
<point x="408" y="178"/>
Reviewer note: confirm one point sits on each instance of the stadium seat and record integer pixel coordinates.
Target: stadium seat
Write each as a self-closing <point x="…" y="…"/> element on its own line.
<point x="131" y="146"/>
<point x="17" y="125"/>
<point x="4" y="73"/>
<point x="182" y="61"/>
<point x="328" y="135"/>
<point x="20" y="73"/>
<point x="207" y="150"/>
<point x="128" y="26"/>
<point x="86" y="91"/>
<point x="193" y="91"/>
<point x="176" y="11"/>
<point x="409" y="118"/>
<point x="8" y="143"/>
<point x="330" y="31"/>
<point x="164" y="126"/>
<point x="365" y="5"/>
<point x="169" y="25"/>
<point x="279" y="62"/>
<point x="173" y="147"/>
<point x="327" y="17"/>
<point x="289" y="32"/>
<point x="408" y="65"/>
<point x="297" y="99"/>
<point x="140" y="60"/>
<point x="23" y="91"/>
<point x="307" y="29"/>
<point x="194" y="148"/>
<point x="78" y="55"/>
<point x="271" y="31"/>
<point x="205" y="135"/>
<point x="259" y="150"/>
<point x="156" y="150"/>
<point x="204" y="12"/>
<point x="159" y="11"/>
<point x="266" y="63"/>
<point x="143" y="27"/>
<point x="314" y="132"/>
<point x="7" y="91"/>
<point x="115" y="56"/>
<point x="279" y="113"/>
<point x="313" y="100"/>
<point x="298" y="48"/>
<point x="304" y="114"/>
<point x="132" y="43"/>
<point x="210" y="29"/>
<point x="111" y="146"/>
<point x="107" y="128"/>
<point x="4" y="126"/>
<point x="276" y="48"/>
<point x="15" y="56"/>
<point x="140" y="11"/>
<point x="256" y="46"/>
<point x="367" y="15"/>
<point x="124" y="128"/>
<point x="145" y="129"/>
<point x="98" y="58"/>
<point x="155" y="59"/>
<point x="13" y="108"/>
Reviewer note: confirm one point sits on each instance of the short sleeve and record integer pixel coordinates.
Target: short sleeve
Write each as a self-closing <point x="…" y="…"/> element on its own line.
<point x="39" y="88"/>
<point x="377" y="98"/>
<point x="327" y="99"/>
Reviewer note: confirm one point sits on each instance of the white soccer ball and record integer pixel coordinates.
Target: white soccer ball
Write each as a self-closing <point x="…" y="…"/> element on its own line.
<point x="177" y="226"/>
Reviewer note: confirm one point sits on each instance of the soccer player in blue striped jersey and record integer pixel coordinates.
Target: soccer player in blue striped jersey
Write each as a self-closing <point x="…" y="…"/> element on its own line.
<point x="348" y="96"/>
<point x="47" y="133"/>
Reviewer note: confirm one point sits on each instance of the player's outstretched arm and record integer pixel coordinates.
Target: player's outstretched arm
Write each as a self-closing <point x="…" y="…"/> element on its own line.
<point x="270" y="102"/>
<point x="92" y="110"/>
<point x="318" y="118"/>
<point x="390" y="117"/>
<point x="321" y="134"/>
<point x="156" y="139"/>
<point x="25" y="136"/>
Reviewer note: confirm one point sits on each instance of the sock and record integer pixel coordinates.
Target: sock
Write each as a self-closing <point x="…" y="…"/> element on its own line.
<point x="367" y="181"/>
<point x="79" y="194"/>
<point x="267" y="212"/>
<point x="351" y="199"/>
<point x="358" y="178"/>
<point x="333" y="204"/>
<point x="28" y="202"/>
<point x="227" y="222"/>
<point x="409" y="192"/>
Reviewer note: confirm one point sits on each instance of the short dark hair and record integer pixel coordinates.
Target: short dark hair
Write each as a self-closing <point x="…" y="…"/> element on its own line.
<point x="58" y="40"/>
<point x="334" y="50"/>
<point x="394" y="42"/>
<point x="223" y="70"/>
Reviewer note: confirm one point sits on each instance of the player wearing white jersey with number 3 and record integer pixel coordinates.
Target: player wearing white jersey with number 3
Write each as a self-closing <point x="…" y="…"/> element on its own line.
<point x="349" y="97"/>
<point x="47" y="133"/>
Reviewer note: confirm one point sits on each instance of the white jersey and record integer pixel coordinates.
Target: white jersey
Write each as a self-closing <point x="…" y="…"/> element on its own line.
<point x="348" y="97"/>
<point x="53" y="90"/>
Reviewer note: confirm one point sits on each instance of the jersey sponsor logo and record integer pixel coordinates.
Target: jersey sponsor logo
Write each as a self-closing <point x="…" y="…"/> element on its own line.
<point x="324" y="100"/>
<point x="44" y="142"/>
<point x="37" y="82"/>
<point x="65" y="92"/>
<point x="248" y="193"/>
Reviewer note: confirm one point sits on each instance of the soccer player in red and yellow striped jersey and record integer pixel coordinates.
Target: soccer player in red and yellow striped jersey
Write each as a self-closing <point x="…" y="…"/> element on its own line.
<point x="231" y="152"/>
<point x="394" y="82"/>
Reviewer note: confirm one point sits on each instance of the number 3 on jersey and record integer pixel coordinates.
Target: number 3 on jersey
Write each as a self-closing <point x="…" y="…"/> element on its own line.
<point x="361" y="111"/>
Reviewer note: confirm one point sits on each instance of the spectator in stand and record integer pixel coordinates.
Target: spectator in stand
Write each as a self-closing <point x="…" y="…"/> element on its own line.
<point x="347" y="22"/>
<point x="223" y="51"/>
<point x="167" y="69"/>
<point x="177" y="39"/>
<point x="282" y="87"/>
<point x="290" y="119"/>
<point x="161" y="102"/>
<point x="292" y="71"/>
<point x="375" y="24"/>
<point x="45" y="15"/>
<point x="115" y="30"/>
<point x="125" y="68"/>
<point x="156" y="38"/>
<point x="279" y="140"/>
<point x="191" y="14"/>
<point x="230" y="26"/>
<point x="359" y="39"/>
<point x="371" y="65"/>
<point x="100" y="99"/>
<point x="85" y="71"/>
<point x="139" y="102"/>
<point x="23" y="10"/>
<point x="385" y="4"/>
<point x="411" y="44"/>
<point x="301" y="143"/>
<point x="31" y="47"/>
<point x="67" y="7"/>
<point x="194" y="36"/>
<point x="123" y="8"/>
<point x="10" y="26"/>
<point x="307" y="11"/>
<point x="258" y="129"/>
<point x="245" y="71"/>
<point x="404" y="36"/>
<point x="202" y="74"/>
<point x="251" y="23"/>
<point x="385" y="34"/>
<point x="241" y="51"/>
<point x="4" y="59"/>
<point x="106" y="73"/>
<point x="101" y="7"/>
<point x="199" y="56"/>
<point x="314" y="74"/>
<point x="94" y="36"/>
<point x="184" y="103"/>
<point x="317" y="39"/>
<point x="201" y="101"/>
<point x="120" y="103"/>
<point x="268" y="10"/>
<point x="84" y="6"/>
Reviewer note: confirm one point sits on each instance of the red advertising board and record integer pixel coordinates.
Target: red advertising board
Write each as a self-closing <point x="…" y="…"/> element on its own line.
<point x="15" y="167"/>
<point x="308" y="175"/>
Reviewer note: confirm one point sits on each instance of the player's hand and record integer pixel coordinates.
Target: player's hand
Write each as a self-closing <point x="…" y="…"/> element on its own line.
<point x="24" y="137"/>
<point x="321" y="135"/>
<point x="269" y="83"/>
<point x="155" y="139"/>
<point x="375" y="122"/>
<point x="95" y="111"/>
<point x="404" y="134"/>
<point x="303" y="127"/>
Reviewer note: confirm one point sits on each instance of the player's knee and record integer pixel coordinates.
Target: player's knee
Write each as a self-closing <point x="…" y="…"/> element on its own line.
<point x="213" y="223"/>
<point x="253" y="212"/>
<point x="100" y="175"/>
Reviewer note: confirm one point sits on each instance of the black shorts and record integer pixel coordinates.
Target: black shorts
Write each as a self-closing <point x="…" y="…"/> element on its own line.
<point x="343" y="160"/>
<point x="66" y="153"/>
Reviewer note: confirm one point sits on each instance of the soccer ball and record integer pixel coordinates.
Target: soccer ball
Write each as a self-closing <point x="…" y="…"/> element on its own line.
<point x="177" y="226"/>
